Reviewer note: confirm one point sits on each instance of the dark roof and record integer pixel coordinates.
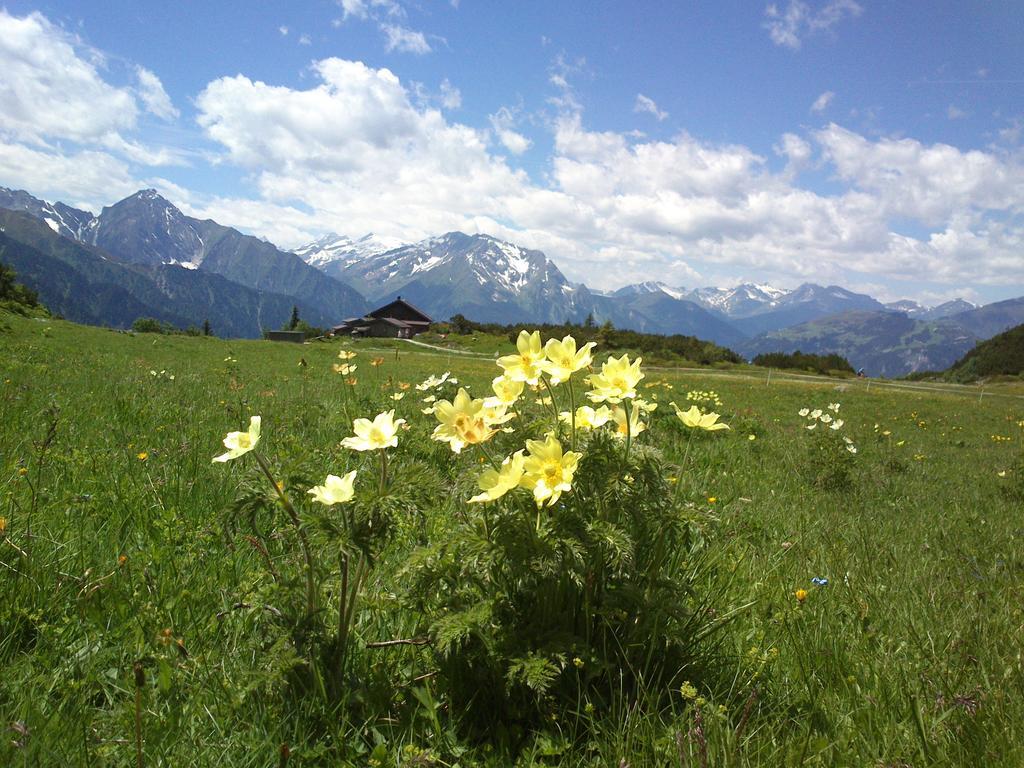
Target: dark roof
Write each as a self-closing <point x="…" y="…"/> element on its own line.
<point x="400" y="301"/>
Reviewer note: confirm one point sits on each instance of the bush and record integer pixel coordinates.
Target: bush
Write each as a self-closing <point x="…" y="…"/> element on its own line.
<point x="828" y="365"/>
<point x="150" y="325"/>
<point x="14" y="292"/>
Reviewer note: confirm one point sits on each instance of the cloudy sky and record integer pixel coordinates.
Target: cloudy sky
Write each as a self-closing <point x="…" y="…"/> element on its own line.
<point x="873" y="144"/>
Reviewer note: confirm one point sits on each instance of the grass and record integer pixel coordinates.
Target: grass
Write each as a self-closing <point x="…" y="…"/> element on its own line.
<point x="119" y="550"/>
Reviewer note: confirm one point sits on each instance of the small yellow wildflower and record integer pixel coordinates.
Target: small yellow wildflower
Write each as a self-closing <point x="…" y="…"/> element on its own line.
<point x="462" y="422"/>
<point x="506" y="391"/>
<point x="800" y="595"/>
<point x="240" y="443"/>
<point x="398" y="395"/>
<point x="616" y="381"/>
<point x="374" y="435"/>
<point x="525" y="366"/>
<point x="688" y="691"/>
<point x="496" y="483"/>
<point x="346" y="354"/>
<point x="587" y="417"/>
<point x="335" y="490"/>
<point x="22" y="471"/>
<point x="3" y="525"/>
<point x="548" y="472"/>
<point x="377" y="362"/>
<point x="712" y="499"/>
<point x="635" y="426"/>
<point x="345" y="369"/>
<point x="142" y="456"/>
<point x="695" y="419"/>
<point x="563" y="359"/>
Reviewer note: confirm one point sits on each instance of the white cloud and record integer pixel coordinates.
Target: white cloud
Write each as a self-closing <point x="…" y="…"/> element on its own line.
<point x="153" y="95"/>
<point x="930" y="184"/>
<point x="404" y="40"/>
<point x="361" y="154"/>
<point x="954" y="112"/>
<point x="49" y="91"/>
<point x="283" y="30"/>
<point x="821" y="103"/>
<point x="85" y="179"/>
<point x="648" y="105"/>
<point x="451" y="97"/>
<point x="788" y="27"/>
<point x="305" y="40"/>
<point x="362" y="9"/>
<point x="503" y="122"/>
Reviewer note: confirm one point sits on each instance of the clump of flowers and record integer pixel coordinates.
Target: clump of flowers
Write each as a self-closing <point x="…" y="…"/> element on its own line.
<point x="564" y="541"/>
<point x="704" y="397"/>
<point x="830" y="453"/>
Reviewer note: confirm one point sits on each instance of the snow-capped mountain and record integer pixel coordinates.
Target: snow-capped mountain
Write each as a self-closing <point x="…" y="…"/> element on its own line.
<point x="742" y="301"/>
<point x="61" y="218"/>
<point x="650" y="286"/>
<point x="907" y="306"/>
<point x="947" y="309"/>
<point x="334" y="252"/>
<point x="476" y="275"/>
<point x="145" y="228"/>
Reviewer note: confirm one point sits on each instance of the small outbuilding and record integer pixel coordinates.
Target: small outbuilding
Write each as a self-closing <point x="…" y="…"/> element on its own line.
<point x="397" y="320"/>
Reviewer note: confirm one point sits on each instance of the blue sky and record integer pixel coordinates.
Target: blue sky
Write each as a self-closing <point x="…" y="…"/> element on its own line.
<point x="874" y="145"/>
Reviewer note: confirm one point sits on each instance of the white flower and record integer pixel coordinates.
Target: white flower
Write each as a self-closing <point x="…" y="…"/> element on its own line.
<point x="834" y="407"/>
<point x="851" y="449"/>
<point x="812" y="426"/>
<point x="815" y="413"/>
<point x="825" y="418"/>
<point x="837" y="424"/>
<point x="804" y="411"/>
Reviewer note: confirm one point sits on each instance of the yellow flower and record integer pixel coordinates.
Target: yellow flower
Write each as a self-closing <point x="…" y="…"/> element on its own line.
<point x="506" y="391"/>
<point x="240" y="443"/>
<point x="547" y="471"/>
<point x="122" y="560"/>
<point x="695" y="419"/>
<point x="462" y="422"/>
<point x="22" y="471"/>
<point x="712" y="499"/>
<point x="398" y="395"/>
<point x="3" y="525"/>
<point x="335" y="490"/>
<point x="527" y="365"/>
<point x="617" y="380"/>
<point x="377" y="362"/>
<point x="352" y="381"/>
<point x="374" y="435"/>
<point x="142" y="456"/>
<point x="496" y="483"/>
<point x="346" y="354"/>
<point x="563" y="359"/>
<point x="345" y="369"/>
<point x="635" y="425"/>
<point x="587" y="417"/>
<point x="800" y="595"/>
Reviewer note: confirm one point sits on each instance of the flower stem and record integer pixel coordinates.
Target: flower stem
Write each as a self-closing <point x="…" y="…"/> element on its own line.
<point x="303" y="539"/>
<point x="383" y="471"/>
<point x="629" y="427"/>
<point x="682" y="466"/>
<point x="572" y="411"/>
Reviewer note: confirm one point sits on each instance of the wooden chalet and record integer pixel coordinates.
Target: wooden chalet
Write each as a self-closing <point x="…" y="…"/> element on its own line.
<point x="397" y="320"/>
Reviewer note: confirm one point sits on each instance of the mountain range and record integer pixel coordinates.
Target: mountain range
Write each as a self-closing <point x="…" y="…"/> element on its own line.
<point x="144" y="256"/>
<point x="163" y="264"/>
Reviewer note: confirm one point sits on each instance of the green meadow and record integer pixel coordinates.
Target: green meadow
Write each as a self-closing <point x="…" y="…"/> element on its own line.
<point x="157" y="608"/>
